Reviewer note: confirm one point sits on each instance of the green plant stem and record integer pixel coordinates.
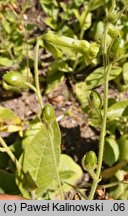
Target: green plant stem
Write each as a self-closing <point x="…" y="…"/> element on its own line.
<point x="36" y="71"/>
<point x="11" y="155"/>
<point x="31" y="87"/>
<point x="107" y="68"/>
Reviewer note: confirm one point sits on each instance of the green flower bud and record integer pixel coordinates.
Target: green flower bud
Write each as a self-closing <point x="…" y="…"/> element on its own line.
<point x="89" y="161"/>
<point x="118" y="46"/>
<point x="113" y="32"/>
<point x="48" y="114"/>
<point x="112" y="17"/>
<point x="14" y="79"/>
<point x="95" y="99"/>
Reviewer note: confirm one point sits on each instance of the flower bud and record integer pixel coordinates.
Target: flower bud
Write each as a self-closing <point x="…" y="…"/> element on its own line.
<point x="118" y="46"/>
<point x="48" y="113"/>
<point x="14" y="79"/>
<point x="112" y="17"/>
<point x="113" y="31"/>
<point x="95" y="99"/>
<point x="89" y="161"/>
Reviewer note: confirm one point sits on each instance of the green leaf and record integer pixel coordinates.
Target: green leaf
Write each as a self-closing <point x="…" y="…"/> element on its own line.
<point x="111" y="151"/>
<point x="96" y="4"/>
<point x="49" y="21"/>
<point x="55" y="74"/>
<point x="4" y="61"/>
<point x="119" y="192"/>
<point x="7" y="183"/>
<point x="123" y="147"/>
<point x="96" y="78"/>
<point x="8" y="116"/>
<point x="118" y="109"/>
<point x="82" y="93"/>
<point x="51" y="48"/>
<point x="41" y="152"/>
<point x="69" y="173"/>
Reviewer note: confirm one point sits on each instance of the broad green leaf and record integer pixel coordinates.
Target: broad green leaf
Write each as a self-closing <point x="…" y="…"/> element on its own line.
<point x="55" y="74"/>
<point x="9" y="121"/>
<point x="50" y="22"/>
<point x="96" y="78"/>
<point x="97" y="30"/>
<point x="51" y="48"/>
<point x="87" y="22"/>
<point x="84" y="18"/>
<point x="41" y="154"/>
<point x="53" y="80"/>
<point x="111" y="151"/>
<point x="8" y="116"/>
<point x="77" y="15"/>
<point x="50" y="7"/>
<point x="7" y="183"/>
<point x="123" y="147"/>
<point x="82" y="93"/>
<point x="118" y="109"/>
<point x="119" y="192"/>
<point x="6" y="25"/>
<point x="4" y="61"/>
<point x="46" y="1"/>
<point x="69" y="173"/>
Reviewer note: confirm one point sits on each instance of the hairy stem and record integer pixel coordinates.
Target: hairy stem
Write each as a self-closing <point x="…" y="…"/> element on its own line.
<point x="107" y="68"/>
<point x="37" y="74"/>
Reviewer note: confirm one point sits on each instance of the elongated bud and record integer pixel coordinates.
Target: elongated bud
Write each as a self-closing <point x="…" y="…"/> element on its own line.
<point x="14" y="79"/>
<point x="113" y="31"/>
<point x="48" y="114"/>
<point x="112" y="17"/>
<point x="89" y="161"/>
<point x="118" y="46"/>
<point x="95" y="99"/>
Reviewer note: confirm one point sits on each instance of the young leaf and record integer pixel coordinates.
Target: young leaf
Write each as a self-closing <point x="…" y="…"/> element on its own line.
<point x="120" y="192"/>
<point x="96" y="4"/>
<point x="7" y="116"/>
<point x="69" y="173"/>
<point x="82" y="93"/>
<point x="51" y="48"/>
<point x="4" y="61"/>
<point x="118" y="109"/>
<point x="96" y="78"/>
<point x="123" y="147"/>
<point x="111" y="151"/>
